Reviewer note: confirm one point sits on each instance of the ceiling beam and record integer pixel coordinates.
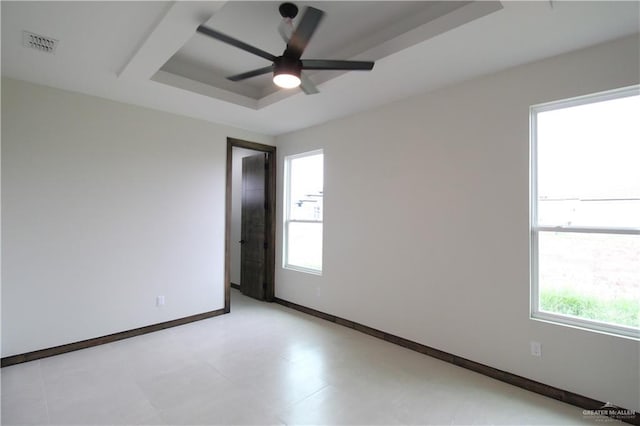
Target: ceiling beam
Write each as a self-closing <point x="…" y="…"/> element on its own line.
<point x="177" y="26"/>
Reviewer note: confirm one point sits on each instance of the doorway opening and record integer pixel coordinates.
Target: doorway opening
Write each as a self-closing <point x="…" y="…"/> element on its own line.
<point x="250" y="220"/>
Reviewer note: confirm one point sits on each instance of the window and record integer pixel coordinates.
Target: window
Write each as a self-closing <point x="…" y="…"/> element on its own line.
<point x="585" y="212"/>
<point x="304" y="174"/>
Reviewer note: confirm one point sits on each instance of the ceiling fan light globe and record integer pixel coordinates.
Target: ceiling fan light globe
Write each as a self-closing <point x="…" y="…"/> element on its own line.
<point x="286" y="81"/>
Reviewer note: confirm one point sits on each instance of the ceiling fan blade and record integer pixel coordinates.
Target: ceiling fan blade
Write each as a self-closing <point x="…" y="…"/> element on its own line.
<point x="307" y="85"/>
<point x="236" y="43"/>
<point x="253" y="73"/>
<point x="325" y="64"/>
<point x="285" y="29"/>
<point x="301" y="36"/>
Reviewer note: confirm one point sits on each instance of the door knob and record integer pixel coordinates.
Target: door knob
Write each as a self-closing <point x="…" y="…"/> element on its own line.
<point x="242" y="241"/>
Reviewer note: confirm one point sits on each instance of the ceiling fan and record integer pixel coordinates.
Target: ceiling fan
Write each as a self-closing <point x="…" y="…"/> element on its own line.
<point x="287" y="68"/>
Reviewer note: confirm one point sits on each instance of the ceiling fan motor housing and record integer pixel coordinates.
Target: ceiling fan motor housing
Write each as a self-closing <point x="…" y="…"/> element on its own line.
<point x="286" y="65"/>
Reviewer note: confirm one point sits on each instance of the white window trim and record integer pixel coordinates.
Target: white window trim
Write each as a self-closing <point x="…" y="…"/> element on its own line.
<point x="536" y="314"/>
<point x="287" y="214"/>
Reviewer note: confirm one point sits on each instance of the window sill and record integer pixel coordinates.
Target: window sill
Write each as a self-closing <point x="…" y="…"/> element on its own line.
<point x="587" y="325"/>
<point x="303" y="270"/>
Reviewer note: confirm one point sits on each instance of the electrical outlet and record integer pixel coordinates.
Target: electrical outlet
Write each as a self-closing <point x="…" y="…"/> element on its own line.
<point x="159" y="300"/>
<point x="536" y="348"/>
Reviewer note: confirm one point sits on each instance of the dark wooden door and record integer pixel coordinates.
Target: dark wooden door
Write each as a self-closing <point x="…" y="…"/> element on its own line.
<point x="253" y="227"/>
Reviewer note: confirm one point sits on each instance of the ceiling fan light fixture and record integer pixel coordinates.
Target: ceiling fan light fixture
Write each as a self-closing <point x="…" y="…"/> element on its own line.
<point x="286" y="81"/>
<point x="286" y="73"/>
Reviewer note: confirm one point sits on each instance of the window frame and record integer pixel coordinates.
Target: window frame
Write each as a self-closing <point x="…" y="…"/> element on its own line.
<point x="287" y="214"/>
<point x="535" y="229"/>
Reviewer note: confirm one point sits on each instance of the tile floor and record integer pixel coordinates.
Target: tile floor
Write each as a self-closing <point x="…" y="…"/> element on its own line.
<point x="263" y="364"/>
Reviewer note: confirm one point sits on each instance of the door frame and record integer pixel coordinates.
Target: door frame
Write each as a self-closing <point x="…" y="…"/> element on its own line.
<point x="270" y="222"/>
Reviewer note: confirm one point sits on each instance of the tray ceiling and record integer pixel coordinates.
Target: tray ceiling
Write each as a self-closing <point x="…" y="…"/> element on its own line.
<point x="350" y="30"/>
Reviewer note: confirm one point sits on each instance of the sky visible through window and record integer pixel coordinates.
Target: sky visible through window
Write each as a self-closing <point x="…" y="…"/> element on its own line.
<point x="589" y="164"/>
<point x="306" y="187"/>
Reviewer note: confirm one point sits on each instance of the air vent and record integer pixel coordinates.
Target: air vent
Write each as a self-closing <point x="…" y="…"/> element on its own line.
<point x="38" y="42"/>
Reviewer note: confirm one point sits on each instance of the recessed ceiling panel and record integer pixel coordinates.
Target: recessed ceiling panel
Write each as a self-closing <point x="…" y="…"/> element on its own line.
<point x="349" y="30"/>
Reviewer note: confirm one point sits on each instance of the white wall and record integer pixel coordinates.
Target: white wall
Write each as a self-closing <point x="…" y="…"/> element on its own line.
<point x="104" y="207"/>
<point x="426" y="230"/>
<point x="236" y="209"/>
